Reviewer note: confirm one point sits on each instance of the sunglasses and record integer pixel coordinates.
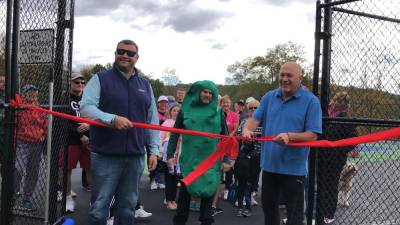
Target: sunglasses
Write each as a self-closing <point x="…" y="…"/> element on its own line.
<point x="79" y="82"/>
<point x="121" y="51"/>
<point x="252" y="108"/>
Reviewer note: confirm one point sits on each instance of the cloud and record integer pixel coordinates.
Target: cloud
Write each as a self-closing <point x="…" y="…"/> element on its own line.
<point x="219" y="46"/>
<point x="180" y="15"/>
<point x="194" y="20"/>
<point x="286" y="2"/>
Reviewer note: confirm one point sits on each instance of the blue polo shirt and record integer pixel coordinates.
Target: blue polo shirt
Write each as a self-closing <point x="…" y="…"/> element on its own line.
<point x="302" y="112"/>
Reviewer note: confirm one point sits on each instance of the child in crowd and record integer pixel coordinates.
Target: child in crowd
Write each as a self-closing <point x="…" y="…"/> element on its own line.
<point x="171" y="174"/>
<point x="30" y="143"/>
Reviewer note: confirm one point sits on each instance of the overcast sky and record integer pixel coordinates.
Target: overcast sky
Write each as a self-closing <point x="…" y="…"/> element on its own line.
<point x="199" y="38"/>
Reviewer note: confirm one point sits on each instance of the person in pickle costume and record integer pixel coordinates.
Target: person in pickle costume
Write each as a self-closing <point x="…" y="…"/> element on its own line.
<point x="199" y="112"/>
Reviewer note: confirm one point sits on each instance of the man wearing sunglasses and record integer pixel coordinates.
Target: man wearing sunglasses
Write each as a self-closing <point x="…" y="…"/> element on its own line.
<point x="116" y="97"/>
<point x="291" y="114"/>
<point x="78" y="139"/>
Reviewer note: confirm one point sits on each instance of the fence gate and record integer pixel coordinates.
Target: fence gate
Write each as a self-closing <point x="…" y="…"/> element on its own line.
<point x="359" y="88"/>
<point x="35" y="57"/>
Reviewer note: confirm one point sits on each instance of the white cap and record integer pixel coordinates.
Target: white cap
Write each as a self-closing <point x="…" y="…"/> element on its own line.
<point x="76" y="75"/>
<point x="249" y="99"/>
<point x="162" y="98"/>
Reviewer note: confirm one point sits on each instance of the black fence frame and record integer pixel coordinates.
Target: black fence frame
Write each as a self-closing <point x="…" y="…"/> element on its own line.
<point x="321" y="83"/>
<point x="64" y="24"/>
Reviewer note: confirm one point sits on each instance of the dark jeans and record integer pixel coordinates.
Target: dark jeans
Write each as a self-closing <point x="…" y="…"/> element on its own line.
<point x="27" y="163"/>
<point x="292" y="188"/>
<point x="182" y="213"/>
<point x="330" y="165"/>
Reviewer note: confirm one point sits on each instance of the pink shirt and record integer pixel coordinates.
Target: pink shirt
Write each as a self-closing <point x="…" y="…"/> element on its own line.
<point x="232" y="119"/>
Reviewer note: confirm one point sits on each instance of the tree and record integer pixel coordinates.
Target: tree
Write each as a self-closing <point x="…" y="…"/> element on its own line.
<point x="89" y="70"/>
<point x="170" y="78"/>
<point x="265" y="68"/>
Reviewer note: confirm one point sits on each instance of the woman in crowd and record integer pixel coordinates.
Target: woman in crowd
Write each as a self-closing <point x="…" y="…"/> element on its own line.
<point x="247" y="166"/>
<point x="172" y="174"/>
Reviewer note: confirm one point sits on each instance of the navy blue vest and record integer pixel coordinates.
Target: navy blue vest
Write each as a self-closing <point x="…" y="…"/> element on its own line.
<point x="128" y="98"/>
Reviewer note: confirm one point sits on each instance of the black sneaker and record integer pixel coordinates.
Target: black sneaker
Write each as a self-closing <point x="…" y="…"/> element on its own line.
<point x="27" y="205"/>
<point x="239" y="213"/>
<point x="246" y="213"/>
<point x="216" y="210"/>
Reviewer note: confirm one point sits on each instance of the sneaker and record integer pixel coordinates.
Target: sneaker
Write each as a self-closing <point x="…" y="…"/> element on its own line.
<point x="253" y="201"/>
<point x="73" y="194"/>
<point x="246" y="212"/>
<point x="171" y="206"/>
<point x="216" y="210"/>
<point x="110" y="221"/>
<point x="59" y="196"/>
<point x="239" y="213"/>
<point x="226" y="194"/>
<point x="88" y="189"/>
<point x="165" y="201"/>
<point x="69" y="204"/>
<point x="153" y="185"/>
<point x="161" y="186"/>
<point x="142" y="214"/>
<point x="27" y="205"/>
<point x="194" y="206"/>
<point x="328" y="220"/>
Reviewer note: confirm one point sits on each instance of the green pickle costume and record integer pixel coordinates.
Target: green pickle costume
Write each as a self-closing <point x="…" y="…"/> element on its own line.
<point x="195" y="115"/>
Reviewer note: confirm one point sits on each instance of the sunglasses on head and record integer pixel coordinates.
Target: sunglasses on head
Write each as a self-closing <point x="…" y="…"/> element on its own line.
<point x="121" y="51"/>
<point x="79" y="82"/>
<point x="252" y="108"/>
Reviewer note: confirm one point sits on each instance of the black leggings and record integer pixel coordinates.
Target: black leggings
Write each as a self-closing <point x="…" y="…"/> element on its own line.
<point x="292" y="188"/>
<point x="330" y="165"/>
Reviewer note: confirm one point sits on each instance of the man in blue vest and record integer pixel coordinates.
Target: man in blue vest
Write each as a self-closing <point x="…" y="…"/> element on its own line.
<point x="291" y="113"/>
<point x="116" y="97"/>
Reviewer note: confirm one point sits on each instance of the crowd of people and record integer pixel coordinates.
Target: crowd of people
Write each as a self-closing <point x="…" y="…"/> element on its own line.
<point x="113" y="157"/>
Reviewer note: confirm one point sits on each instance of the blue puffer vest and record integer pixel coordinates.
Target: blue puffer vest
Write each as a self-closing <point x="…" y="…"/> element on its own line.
<point x="128" y="98"/>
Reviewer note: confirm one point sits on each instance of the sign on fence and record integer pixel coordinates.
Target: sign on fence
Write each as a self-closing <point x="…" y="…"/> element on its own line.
<point x="36" y="46"/>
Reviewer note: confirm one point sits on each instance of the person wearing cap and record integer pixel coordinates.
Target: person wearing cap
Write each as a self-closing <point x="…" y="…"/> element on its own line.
<point x="117" y="97"/>
<point x="291" y="114"/>
<point x="78" y="139"/>
<point x="162" y="106"/>
<point x="239" y="109"/>
<point x="31" y="134"/>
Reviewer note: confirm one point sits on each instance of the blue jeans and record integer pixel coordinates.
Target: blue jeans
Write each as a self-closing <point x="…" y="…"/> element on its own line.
<point x="117" y="176"/>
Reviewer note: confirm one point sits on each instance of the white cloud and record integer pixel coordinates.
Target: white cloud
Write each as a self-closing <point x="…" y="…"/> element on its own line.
<point x="197" y="38"/>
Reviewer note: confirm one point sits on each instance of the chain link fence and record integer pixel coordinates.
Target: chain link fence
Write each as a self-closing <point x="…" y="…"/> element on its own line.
<point x="360" y="94"/>
<point x="40" y="74"/>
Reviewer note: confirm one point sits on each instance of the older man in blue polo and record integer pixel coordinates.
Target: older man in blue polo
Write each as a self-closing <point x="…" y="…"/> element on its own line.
<point x="291" y="113"/>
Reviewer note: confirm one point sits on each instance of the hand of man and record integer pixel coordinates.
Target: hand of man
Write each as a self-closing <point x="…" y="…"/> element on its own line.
<point x="282" y="138"/>
<point x="247" y="133"/>
<point x="83" y="127"/>
<point x="85" y="140"/>
<point x="122" y="123"/>
<point x="152" y="162"/>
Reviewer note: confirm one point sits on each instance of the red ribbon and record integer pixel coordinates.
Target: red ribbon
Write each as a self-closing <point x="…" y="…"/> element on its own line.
<point x="228" y="145"/>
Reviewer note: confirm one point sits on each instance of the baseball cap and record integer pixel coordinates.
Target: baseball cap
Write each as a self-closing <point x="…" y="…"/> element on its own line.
<point x="249" y="99"/>
<point x="76" y="75"/>
<point x="28" y="87"/>
<point x="241" y="101"/>
<point x="162" y="98"/>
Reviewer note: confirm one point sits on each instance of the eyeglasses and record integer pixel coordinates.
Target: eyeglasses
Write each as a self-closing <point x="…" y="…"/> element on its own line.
<point x="121" y="51"/>
<point x="79" y="82"/>
<point x="252" y="108"/>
